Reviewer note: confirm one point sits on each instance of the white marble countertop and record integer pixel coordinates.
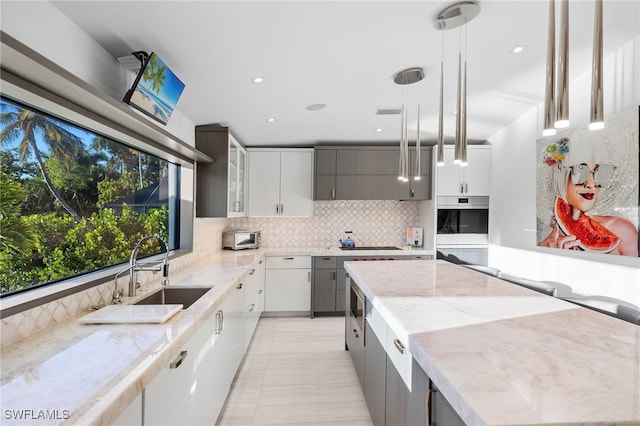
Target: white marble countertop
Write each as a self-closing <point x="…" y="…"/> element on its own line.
<point x="89" y="373"/>
<point x="505" y="355"/>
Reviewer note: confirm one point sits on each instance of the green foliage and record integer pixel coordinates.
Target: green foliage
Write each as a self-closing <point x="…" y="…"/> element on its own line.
<point x="65" y="248"/>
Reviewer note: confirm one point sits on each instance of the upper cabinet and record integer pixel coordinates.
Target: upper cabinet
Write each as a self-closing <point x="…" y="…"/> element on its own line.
<point x="221" y="185"/>
<point x="280" y="182"/>
<point x="473" y="179"/>
<point x="369" y="173"/>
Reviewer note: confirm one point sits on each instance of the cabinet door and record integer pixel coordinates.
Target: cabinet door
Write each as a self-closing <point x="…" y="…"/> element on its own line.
<point x="375" y="374"/>
<point x="420" y="189"/>
<point x="296" y="183"/>
<point x="476" y="174"/>
<point x="442" y="413"/>
<point x="287" y="290"/>
<point x="168" y="397"/>
<point x="370" y="187"/>
<point x="325" y="174"/>
<point x="340" y="289"/>
<point x="132" y="415"/>
<point x="355" y="343"/>
<point x="449" y="175"/>
<point x="397" y="397"/>
<point x="264" y="183"/>
<point x="252" y="306"/>
<point x="237" y="179"/>
<point x="324" y="290"/>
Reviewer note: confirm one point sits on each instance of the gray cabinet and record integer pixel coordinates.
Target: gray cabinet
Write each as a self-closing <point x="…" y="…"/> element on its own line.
<point x="369" y="173"/>
<point x="375" y="373"/>
<point x="354" y="341"/>
<point x="441" y="412"/>
<point x="397" y="397"/>
<point x="328" y="285"/>
<point x="221" y="185"/>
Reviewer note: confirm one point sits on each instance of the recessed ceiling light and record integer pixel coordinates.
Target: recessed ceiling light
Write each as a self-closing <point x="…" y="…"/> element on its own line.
<point x="257" y="80"/>
<point x="518" y="48"/>
<point x="378" y="130"/>
<point x="316" y="107"/>
<point x="271" y="120"/>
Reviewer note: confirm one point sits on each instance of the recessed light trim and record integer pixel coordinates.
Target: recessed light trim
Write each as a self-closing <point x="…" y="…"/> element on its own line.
<point x="316" y="107"/>
<point x="379" y="130"/>
<point x="271" y="120"/>
<point x="257" y="80"/>
<point x="518" y="48"/>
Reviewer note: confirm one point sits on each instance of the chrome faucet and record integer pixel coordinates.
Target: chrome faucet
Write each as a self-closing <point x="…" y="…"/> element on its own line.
<point x="135" y="266"/>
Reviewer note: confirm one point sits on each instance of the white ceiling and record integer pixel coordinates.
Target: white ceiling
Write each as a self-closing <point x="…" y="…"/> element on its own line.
<point x="346" y="54"/>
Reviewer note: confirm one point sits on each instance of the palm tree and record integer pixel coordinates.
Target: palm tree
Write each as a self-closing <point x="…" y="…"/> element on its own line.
<point x="24" y="124"/>
<point x="16" y="234"/>
<point x="155" y="73"/>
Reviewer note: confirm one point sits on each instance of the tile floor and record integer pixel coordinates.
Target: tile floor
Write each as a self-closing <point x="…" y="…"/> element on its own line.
<point x="296" y="372"/>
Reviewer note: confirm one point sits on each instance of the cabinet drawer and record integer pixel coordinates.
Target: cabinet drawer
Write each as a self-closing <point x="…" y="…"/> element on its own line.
<point x="398" y="353"/>
<point x="324" y="262"/>
<point x="288" y="262"/>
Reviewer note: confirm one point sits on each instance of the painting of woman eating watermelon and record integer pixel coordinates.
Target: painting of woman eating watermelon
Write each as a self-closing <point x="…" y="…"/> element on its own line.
<point x="588" y="188"/>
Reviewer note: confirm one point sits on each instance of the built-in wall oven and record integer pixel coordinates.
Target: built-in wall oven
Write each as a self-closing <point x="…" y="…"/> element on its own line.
<point x="462" y="227"/>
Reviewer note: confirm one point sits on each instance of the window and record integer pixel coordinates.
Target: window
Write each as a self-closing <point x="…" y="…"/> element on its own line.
<point x="73" y="201"/>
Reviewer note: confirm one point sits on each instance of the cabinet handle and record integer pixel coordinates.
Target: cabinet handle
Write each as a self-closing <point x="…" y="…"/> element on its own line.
<point x="462" y="188"/>
<point x="399" y="346"/>
<point x="239" y="286"/>
<point x="260" y="262"/>
<point x="253" y="271"/>
<point x="356" y="333"/>
<point x="260" y="291"/>
<point x="277" y="208"/>
<point x="309" y="276"/>
<point x="413" y="193"/>
<point x="176" y="362"/>
<point x="334" y="275"/>
<point x="466" y="188"/>
<point x="252" y="307"/>
<point x="220" y="321"/>
<point x="281" y="208"/>
<point x="288" y="258"/>
<point x="333" y="193"/>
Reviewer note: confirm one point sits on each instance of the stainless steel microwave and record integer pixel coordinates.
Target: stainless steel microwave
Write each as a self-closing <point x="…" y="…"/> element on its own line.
<point x="238" y="240"/>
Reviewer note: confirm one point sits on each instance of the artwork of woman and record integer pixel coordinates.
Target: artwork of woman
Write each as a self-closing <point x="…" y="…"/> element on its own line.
<point x="581" y="174"/>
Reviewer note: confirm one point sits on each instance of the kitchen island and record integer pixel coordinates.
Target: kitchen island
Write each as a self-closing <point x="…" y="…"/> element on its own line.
<point x="505" y="355"/>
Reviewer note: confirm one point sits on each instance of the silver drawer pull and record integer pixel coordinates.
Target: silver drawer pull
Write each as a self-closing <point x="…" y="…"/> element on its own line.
<point x="239" y="286"/>
<point x="253" y="271"/>
<point x="176" y="363"/>
<point x="252" y="307"/>
<point x="289" y="258"/>
<point x="399" y="346"/>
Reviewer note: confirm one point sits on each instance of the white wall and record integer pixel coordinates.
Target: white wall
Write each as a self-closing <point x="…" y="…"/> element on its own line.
<point x="46" y="30"/>
<point x="513" y="193"/>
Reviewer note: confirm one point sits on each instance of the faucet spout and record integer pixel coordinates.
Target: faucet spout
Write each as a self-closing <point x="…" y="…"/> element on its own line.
<point x="135" y="266"/>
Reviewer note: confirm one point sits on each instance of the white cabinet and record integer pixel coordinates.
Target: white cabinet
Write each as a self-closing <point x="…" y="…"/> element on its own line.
<point x="132" y="415"/>
<point x="288" y="284"/>
<point x="253" y="300"/>
<point x="236" y="193"/>
<point x="473" y="179"/>
<point x="280" y="182"/>
<point x="192" y="389"/>
<point x="221" y="186"/>
<point x="172" y="396"/>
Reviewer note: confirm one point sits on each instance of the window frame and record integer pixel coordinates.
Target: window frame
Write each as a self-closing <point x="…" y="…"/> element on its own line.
<point x="63" y="95"/>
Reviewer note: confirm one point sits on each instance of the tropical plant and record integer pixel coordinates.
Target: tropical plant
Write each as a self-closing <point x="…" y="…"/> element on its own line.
<point x="25" y="125"/>
<point x="154" y="72"/>
<point x="15" y="233"/>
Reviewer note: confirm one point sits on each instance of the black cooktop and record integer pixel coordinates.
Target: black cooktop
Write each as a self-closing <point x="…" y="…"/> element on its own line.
<point x="371" y="248"/>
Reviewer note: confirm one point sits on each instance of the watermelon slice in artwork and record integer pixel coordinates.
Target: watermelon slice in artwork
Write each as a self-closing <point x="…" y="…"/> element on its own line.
<point x="592" y="235"/>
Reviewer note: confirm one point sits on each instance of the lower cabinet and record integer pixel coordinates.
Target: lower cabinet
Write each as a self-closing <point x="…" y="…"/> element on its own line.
<point x="192" y="389"/>
<point x="288" y="284"/>
<point x="375" y="357"/>
<point x="132" y="415"/>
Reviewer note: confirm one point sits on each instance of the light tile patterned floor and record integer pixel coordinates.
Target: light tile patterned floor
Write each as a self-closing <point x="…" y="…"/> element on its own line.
<point x="296" y="372"/>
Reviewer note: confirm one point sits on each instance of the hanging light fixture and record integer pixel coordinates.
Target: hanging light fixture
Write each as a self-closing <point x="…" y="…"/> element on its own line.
<point x="416" y="175"/>
<point x="455" y="16"/>
<point x="562" y="92"/>
<point x="404" y="78"/>
<point x="440" y="159"/>
<point x="549" y="100"/>
<point x="597" y="114"/>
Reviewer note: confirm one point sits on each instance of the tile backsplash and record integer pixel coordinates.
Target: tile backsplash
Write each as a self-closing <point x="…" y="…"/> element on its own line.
<point x="374" y="223"/>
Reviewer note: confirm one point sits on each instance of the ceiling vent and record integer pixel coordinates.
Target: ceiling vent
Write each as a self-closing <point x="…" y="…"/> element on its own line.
<point x="388" y="111"/>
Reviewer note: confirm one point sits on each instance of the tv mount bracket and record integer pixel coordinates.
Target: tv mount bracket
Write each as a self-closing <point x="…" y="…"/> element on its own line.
<point x="142" y="56"/>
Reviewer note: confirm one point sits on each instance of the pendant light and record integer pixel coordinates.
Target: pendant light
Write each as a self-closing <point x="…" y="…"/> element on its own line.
<point x="549" y="100"/>
<point x="597" y="114"/>
<point x="455" y="16"/>
<point x="562" y="93"/>
<point x="404" y="78"/>
<point x="416" y="175"/>
<point x="440" y="158"/>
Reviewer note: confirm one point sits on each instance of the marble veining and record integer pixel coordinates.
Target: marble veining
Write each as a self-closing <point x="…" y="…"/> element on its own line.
<point x="505" y="355"/>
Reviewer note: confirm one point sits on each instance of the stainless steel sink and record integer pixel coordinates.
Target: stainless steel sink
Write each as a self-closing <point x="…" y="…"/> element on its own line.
<point x="174" y="295"/>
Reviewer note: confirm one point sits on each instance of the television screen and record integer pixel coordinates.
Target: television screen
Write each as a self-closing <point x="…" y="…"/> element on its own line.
<point x="156" y="90"/>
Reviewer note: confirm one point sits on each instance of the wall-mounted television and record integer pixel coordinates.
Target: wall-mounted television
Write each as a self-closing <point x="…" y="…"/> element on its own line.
<point x="156" y="89"/>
